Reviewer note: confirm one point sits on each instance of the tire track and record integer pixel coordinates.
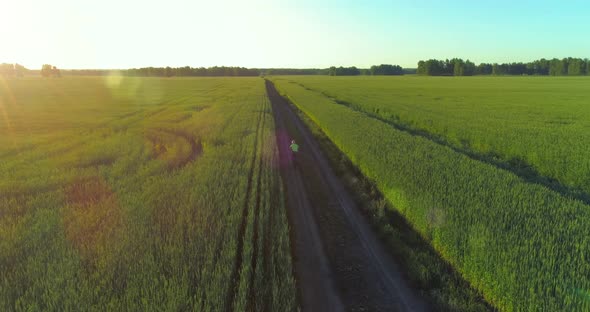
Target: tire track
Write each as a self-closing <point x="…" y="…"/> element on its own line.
<point x="314" y="275"/>
<point x="252" y="285"/>
<point x="365" y="275"/>
<point x="196" y="147"/>
<point x="237" y="270"/>
<point x="272" y="184"/>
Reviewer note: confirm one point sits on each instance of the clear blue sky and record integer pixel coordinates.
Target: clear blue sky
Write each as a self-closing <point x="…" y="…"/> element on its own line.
<point x="287" y="33"/>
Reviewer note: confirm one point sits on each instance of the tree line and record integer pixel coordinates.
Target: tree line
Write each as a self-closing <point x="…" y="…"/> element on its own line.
<point x="453" y="67"/>
<point x="47" y="70"/>
<point x="294" y="71"/>
<point x="457" y="67"/>
<point x="188" y="71"/>
<point x="12" y="70"/>
<point x="185" y="71"/>
<point x="375" y="70"/>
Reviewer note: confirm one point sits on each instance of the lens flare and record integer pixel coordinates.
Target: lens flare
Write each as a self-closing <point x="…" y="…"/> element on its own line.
<point x="123" y="87"/>
<point x="11" y="101"/>
<point x="113" y="79"/>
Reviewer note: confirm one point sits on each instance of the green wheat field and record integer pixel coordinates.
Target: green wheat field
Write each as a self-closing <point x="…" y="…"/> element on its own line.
<point x="142" y="194"/>
<point x="494" y="171"/>
<point x="124" y="193"/>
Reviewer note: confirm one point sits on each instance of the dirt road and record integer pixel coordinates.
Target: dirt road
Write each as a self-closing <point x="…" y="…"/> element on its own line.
<point x="340" y="265"/>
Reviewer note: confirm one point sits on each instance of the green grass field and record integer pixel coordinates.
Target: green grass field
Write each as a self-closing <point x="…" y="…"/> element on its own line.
<point x="154" y="194"/>
<point x="141" y="194"/>
<point x="426" y="141"/>
<point x="537" y="124"/>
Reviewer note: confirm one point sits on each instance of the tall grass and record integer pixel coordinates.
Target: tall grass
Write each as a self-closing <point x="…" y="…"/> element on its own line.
<point x="129" y="193"/>
<point x="522" y="245"/>
<point x="535" y="126"/>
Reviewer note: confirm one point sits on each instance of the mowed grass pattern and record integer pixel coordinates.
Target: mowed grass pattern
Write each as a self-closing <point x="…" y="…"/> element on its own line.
<point x="141" y="194"/>
<point x="537" y="125"/>
<point x="524" y="246"/>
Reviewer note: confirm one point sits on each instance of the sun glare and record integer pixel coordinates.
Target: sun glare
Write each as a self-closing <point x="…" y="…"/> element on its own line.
<point x="6" y="93"/>
<point x="113" y="79"/>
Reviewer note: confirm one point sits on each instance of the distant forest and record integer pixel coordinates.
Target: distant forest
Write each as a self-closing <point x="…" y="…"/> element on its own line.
<point x="16" y="70"/>
<point x="453" y="67"/>
<point x="457" y="67"/>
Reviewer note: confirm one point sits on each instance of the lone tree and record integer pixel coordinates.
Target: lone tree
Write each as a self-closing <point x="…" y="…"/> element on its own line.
<point x="50" y="71"/>
<point x="55" y="72"/>
<point x="386" y="69"/>
<point x="46" y="70"/>
<point x="19" y="70"/>
<point x="6" y="70"/>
